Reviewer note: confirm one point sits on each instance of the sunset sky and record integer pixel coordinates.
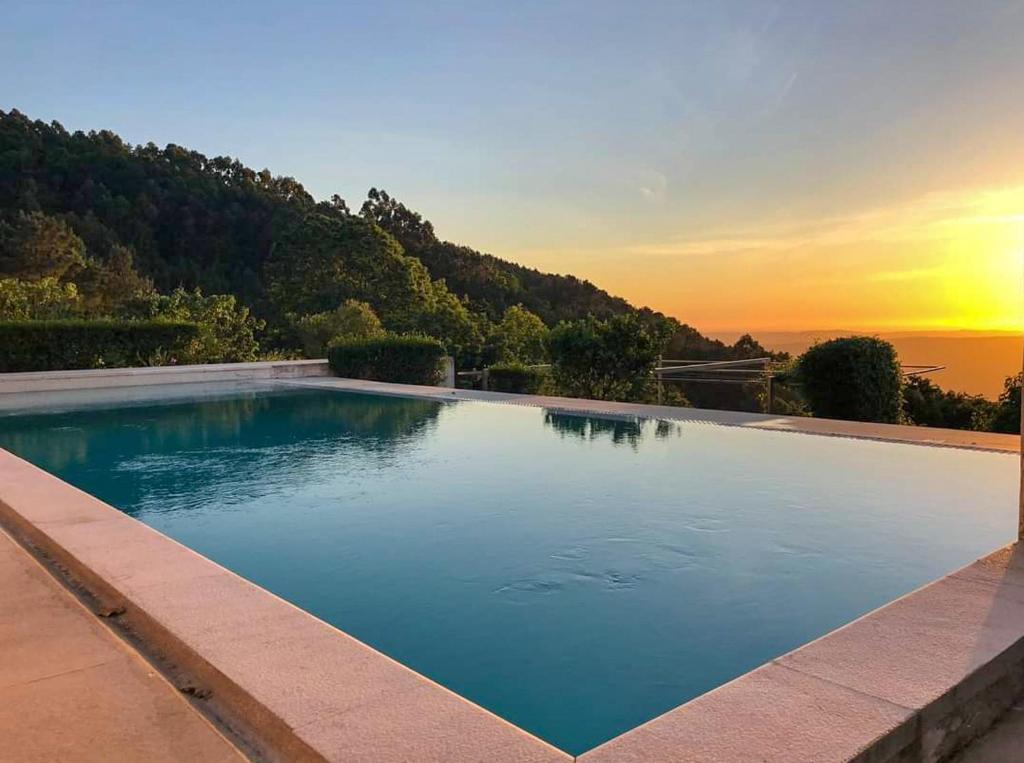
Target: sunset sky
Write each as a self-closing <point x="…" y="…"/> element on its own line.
<point x="740" y="165"/>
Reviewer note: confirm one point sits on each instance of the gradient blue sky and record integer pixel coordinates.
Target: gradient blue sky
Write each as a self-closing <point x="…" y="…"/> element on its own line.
<point x="738" y="164"/>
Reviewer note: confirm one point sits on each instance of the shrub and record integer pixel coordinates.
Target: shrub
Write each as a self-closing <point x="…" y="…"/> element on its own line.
<point x="606" y="360"/>
<point x="76" y="344"/>
<point x="404" y="359"/>
<point x="518" y="378"/>
<point x="520" y="337"/>
<point x="856" y="378"/>
<point x="226" y="329"/>
<point x="1006" y="417"/>
<point x="45" y="299"/>
<point x="352" y="320"/>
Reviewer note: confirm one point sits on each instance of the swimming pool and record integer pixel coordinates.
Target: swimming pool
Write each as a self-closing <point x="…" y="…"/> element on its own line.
<point x="575" y="575"/>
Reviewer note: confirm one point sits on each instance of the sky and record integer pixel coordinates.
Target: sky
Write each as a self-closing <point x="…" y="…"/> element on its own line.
<point x="740" y="165"/>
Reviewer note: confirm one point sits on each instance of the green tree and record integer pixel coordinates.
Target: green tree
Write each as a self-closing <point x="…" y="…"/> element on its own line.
<point x="45" y="299"/>
<point x="927" y="404"/>
<point x="855" y="378"/>
<point x="610" y="359"/>
<point x="108" y="284"/>
<point x="352" y="320"/>
<point x="322" y="260"/>
<point x="520" y="337"/>
<point x="1007" y="415"/>
<point x="34" y="245"/>
<point x="227" y="331"/>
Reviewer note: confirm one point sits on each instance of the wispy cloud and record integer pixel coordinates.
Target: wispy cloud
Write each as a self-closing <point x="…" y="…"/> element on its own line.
<point x="936" y="216"/>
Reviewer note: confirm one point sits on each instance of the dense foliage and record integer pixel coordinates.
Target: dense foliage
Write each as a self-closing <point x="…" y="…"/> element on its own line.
<point x="352" y="320"/>
<point x="406" y="359"/>
<point x="520" y="337"/>
<point x="78" y="344"/>
<point x="490" y="284"/>
<point x="611" y="359"/>
<point x="1007" y="415"/>
<point x="927" y="404"/>
<point x="856" y="378"/>
<point x="518" y="378"/>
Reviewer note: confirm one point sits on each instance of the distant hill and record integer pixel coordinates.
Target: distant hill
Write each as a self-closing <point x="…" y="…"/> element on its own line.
<point x="976" y="362"/>
<point x="213" y="222"/>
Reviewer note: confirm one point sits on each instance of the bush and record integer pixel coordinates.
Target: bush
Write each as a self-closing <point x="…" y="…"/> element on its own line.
<point x="226" y="329"/>
<point x="44" y="300"/>
<point x="1006" y="417"/>
<point x="855" y="378"/>
<point x="404" y="359"/>
<point x="352" y="320"/>
<point x="76" y="344"/>
<point x="518" y="378"/>
<point x="606" y="360"/>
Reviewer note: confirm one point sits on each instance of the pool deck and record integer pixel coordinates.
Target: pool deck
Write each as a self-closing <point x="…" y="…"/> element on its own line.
<point x="74" y="691"/>
<point x="918" y="680"/>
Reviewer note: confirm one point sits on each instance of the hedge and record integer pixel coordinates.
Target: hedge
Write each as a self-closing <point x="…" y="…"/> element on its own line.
<point x="855" y="378"/>
<point x="515" y="377"/>
<point x="75" y="344"/>
<point x="404" y="359"/>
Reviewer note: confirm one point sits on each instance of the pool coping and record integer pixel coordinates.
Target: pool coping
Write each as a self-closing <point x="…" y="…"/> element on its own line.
<point x="917" y="679"/>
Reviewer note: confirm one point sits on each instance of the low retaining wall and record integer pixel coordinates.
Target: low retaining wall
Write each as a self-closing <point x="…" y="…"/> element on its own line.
<point x="103" y="378"/>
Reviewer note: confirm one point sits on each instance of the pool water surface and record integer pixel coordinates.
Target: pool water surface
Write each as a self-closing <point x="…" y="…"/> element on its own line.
<point x="577" y="576"/>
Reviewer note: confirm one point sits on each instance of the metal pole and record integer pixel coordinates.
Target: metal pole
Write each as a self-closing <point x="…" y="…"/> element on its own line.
<point x="1020" y="502"/>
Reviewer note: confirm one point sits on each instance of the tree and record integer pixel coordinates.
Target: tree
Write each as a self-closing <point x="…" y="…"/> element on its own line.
<point x="351" y="320"/>
<point x="610" y="359"/>
<point x="34" y="245"/>
<point x="927" y="404"/>
<point x="227" y="331"/>
<point x="45" y="299"/>
<point x="320" y="261"/>
<point x="1007" y="415"/>
<point x="108" y="284"/>
<point x="856" y="378"/>
<point x="520" y="337"/>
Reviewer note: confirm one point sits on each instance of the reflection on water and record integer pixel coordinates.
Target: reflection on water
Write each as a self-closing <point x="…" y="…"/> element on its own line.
<point x="626" y="431"/>
<point x="264" y="439"/>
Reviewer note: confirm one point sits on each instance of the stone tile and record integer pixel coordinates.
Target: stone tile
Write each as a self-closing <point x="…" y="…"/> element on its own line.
<point x="913" y="651"/>
<point x="73" y="691"/>
<point x="771" y="715"/>
<point x="1003" y="567"/>
<point x="117" y="711"/>
<point x="426" y="724"/>
<point x="128" y="554"/>
<point x="35" y="640"/>
<point x="41" y="498"/>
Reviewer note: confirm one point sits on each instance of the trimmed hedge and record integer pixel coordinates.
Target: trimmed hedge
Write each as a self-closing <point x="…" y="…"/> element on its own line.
<point x="76" y="344"/>
<point x="857" y="378"/>
<point x="404" y="359"/>
<point x="518" y="378"/>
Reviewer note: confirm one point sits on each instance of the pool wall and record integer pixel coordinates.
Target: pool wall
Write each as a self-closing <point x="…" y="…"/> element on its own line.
<point x="913" y="681"/>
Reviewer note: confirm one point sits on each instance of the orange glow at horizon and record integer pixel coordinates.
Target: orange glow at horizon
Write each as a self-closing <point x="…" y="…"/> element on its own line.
<point x="944" y="262"/>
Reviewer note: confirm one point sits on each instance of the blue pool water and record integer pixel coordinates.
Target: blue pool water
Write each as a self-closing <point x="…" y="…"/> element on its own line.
<point x="576" y="576"/>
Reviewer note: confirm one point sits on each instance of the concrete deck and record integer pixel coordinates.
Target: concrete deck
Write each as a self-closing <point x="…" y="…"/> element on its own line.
<point x="73" y="691"/>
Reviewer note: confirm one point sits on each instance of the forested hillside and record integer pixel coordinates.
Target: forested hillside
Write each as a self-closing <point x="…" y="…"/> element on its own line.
<point x="138" y="217"/>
